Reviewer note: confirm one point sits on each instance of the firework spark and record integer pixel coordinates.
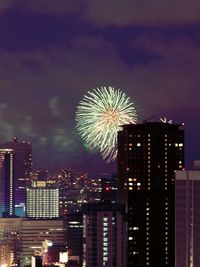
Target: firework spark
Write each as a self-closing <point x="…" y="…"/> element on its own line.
<point x="99" y="117"/>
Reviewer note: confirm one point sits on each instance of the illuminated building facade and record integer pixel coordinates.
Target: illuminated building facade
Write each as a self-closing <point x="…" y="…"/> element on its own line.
<point x="35" y="232"/>
<point x="10" y="241"/>
<point x="23" y="168"/>
<point x="22" y="238"/>
<point x="103" y="235"/>
<point x="55" y="255"/>
<point x="42" y="201"/>
<point x="7" y="182"/>
<point x="148" y="155"/>
<point x="188" y="218"/>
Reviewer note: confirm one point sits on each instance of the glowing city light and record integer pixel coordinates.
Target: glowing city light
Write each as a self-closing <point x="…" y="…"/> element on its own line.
<point x="99" y="117"/>
<point x="63" y="257"/>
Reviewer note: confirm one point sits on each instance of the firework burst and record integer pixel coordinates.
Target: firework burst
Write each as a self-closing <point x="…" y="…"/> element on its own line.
<point x="99" y="117"/>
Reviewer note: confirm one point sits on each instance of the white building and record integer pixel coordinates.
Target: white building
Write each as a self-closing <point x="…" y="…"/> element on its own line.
<point x="42" y="202"/>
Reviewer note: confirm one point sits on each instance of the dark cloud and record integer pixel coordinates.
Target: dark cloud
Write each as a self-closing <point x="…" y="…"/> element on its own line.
<point x="123" y="13"/>
<point x="118" y="12"/>
<point x="48" y="78"/>
<point x="51" y="7"/>
<point x="6" y="4"/>
<point x="173" y="78"/>
<point x="49" y="60"/>
<point x="156" y="12"/>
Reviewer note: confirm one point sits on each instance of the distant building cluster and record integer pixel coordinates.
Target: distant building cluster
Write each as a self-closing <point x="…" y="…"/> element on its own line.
<point x="145" y="215"/>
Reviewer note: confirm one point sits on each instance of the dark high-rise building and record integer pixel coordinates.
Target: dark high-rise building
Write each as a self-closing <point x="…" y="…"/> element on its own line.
<point x="148" y="155"/>
<point x="188" y="218"/>
<point x="103" y="235"/>
<point x="7" y="182"/>
<point x="23" y="168"/>
<point x="74" y="237"/>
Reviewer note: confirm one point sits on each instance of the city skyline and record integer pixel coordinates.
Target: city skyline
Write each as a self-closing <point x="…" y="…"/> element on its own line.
<point x="51" y="55"/>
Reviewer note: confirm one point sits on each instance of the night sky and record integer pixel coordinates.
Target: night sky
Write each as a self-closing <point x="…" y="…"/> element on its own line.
<point x="53" y="51"/>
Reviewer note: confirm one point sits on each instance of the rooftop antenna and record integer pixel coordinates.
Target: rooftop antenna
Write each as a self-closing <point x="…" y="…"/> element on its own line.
<point x="15" y="139"/>
<point x="165" y="120"/>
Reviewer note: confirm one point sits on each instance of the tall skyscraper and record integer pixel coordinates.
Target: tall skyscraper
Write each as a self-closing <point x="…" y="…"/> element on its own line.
<point x="103" y="235"/>
<point x="188" y="218"/>
<point x="23" y="168"/>
<point x="74" y="236"/>
<point x="148" y="155"/>
<point x="7" y="182"/>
